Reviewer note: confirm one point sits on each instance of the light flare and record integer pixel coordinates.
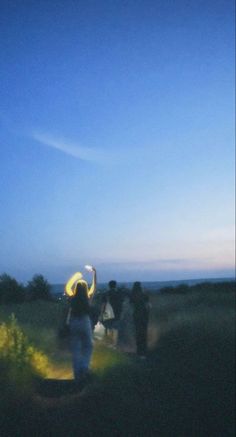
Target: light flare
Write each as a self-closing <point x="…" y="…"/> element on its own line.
<point x="71" y="284"/>
<point x="76" y="278"/>
<point x="89" y="268"/>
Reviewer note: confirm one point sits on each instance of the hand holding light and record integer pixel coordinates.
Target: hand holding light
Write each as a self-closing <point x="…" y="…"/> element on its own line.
<point x="89" y="268"/>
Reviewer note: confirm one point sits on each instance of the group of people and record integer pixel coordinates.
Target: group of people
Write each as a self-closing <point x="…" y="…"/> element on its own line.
<point x="114" y="315"/>
<point x="110" y="315"/>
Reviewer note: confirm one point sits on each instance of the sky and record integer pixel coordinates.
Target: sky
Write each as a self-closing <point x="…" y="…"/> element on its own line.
<point x="117" y="139"/>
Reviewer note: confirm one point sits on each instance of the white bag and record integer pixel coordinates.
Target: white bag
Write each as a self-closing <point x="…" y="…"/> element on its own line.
<point x="99" y="331"/>
<point x="108" y="313"/>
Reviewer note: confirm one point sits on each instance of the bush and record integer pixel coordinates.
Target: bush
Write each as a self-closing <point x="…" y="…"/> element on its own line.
<point x="39" y="288"/>
<point x="10" y="290"/>
<point x="20" y="362"/>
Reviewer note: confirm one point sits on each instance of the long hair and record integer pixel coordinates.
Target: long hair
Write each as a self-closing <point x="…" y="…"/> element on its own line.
<point x="81" y="292"/>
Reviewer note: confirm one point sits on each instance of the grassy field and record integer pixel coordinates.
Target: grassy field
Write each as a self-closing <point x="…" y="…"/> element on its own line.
<point x="186" y="387"/>
<point x="209" y="310"/>
<point x="40" y="321"/>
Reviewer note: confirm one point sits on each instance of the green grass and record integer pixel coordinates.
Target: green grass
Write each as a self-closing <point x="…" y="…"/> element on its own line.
<point x="40" y="321"/>
<point x="20" y="363"/>
<point x="185" y="388"/>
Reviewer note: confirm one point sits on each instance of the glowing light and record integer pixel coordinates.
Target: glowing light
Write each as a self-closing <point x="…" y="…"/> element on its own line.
<point x="89" y="268"/>
<point x="71" y="284"/>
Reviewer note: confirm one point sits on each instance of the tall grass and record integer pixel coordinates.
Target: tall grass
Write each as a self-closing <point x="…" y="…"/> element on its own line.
<point x="210" y="310"/>
<point x="185" y="387"/>
<point x="20" y="362"/>
<point x="39" y="322"/>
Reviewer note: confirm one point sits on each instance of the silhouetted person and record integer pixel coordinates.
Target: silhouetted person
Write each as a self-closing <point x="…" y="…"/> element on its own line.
<point x="81" y="327"/>
<point x="140" y="302"/>
<point x="126" y="329"/>
<point x="115" y="298"/>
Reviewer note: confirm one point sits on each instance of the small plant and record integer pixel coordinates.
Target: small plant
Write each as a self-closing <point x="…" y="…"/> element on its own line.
<point x="20" y="362"/>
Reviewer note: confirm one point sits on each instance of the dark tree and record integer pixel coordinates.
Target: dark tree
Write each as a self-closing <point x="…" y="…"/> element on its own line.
<point x="39" y="288"/>
<point x="10" y="290"/>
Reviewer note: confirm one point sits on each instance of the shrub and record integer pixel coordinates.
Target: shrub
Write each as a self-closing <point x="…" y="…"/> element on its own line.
<point x="10" y="290"/>
<point x="20" y="362"/>
<point x="39" y="288"/>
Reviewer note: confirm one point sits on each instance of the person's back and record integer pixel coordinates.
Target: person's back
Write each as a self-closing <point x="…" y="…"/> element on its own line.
<point x="116" y="301"/>
<point x="79" y="305"/>
<point x="140" y="303"/>
<point x="114" y="297"/>
<point x="80" y="323"/>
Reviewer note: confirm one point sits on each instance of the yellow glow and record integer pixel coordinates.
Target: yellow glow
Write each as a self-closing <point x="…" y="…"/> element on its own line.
<point x="71" y="284"/>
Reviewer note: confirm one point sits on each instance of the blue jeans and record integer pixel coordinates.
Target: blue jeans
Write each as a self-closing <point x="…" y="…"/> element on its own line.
<point x="81" y="345"/>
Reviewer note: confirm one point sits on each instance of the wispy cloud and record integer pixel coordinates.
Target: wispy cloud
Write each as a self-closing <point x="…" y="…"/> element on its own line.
<point x="70" y="148"/>
<point x="111" y="156"/>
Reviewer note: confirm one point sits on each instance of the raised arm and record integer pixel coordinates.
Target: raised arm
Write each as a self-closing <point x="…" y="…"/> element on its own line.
<point x="93" y="287"/>
<point x="71" y="284"/>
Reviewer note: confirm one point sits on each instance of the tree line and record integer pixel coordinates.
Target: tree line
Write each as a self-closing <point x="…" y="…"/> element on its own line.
<point x="11" y="291"/>
<point x="38" y="288"/>
<point x="204" y="287"/>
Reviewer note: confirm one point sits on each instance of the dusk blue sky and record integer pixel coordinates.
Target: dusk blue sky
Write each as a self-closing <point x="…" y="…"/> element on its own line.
<point x="117" y="139"/>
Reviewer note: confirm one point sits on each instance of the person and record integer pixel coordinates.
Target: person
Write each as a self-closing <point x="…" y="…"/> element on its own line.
<point x="115" y="299"/>
<point x="107" y="315"/>
<point x="80" y="326"/>
<point x="126" y="328"/>
<point x="141" y="307"/>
